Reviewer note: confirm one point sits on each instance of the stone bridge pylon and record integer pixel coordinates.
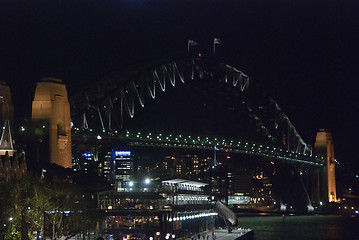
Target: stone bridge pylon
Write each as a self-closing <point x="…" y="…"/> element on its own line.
<point x="51" y="108"/>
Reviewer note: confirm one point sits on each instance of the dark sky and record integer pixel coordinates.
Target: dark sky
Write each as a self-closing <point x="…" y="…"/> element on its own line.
<point x="304" y="52"/>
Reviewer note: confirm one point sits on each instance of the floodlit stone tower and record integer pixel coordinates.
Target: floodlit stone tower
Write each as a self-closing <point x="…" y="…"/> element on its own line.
<point x="51" y="105"/>
<point x="324" y="147"/>
<point x="6" y="107"/>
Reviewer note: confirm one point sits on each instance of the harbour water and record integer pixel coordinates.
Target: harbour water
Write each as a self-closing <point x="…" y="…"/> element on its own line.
<point x="314" y="227"/>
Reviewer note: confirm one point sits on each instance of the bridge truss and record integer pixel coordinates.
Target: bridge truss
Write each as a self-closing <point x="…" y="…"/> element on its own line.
<point x="119" y="95"/>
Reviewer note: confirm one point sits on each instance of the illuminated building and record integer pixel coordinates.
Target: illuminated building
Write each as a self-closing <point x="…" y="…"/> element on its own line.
<point x="104" y="167"/>
<point x="189" y="166"/>
<point x="241" y="181"/>
<point x="262" y="190"/>
<point x="324" y="147"/>
<point x="240" y="185"/>
<point x="176" y="192"/>
<point x="198" y="168"/>
<point x="51" y="108"/>
<point x="219" y="185"/>
<point x="85" y="161"/>
<point x="238" y="199"/>
<point x="122" y="167"/>
<point x="176" y="207"/>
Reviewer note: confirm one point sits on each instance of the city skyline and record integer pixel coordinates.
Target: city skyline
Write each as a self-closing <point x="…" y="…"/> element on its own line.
<point x="302" y="53"/>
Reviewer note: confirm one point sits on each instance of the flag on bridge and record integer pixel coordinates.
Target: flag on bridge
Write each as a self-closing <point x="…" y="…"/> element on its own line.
<point x="216" y="41"/>
<point x="190" y="43"/>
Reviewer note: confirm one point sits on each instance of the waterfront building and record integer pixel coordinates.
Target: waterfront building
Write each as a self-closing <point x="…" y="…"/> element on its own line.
<point x="241" y="181"/>
<point x="249" y="189"/>
<point x="219" y="182"/>
<point x="175" y="207"/>
<point x="187" y="166"/>
<point x="262" y="190"/>
<point x="240" y="187"/>
<point x="121" y="165"/>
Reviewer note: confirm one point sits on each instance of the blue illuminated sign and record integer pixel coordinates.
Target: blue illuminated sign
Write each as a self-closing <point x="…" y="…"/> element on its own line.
<point x="87" y="154"/>
<point x="122" y="153"/>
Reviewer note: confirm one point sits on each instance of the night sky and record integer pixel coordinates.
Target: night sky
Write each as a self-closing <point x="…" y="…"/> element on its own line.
<point x="304" y="53"/>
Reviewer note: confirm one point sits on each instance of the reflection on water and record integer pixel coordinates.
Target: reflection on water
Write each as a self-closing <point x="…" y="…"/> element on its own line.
<point x="302" y="227"/>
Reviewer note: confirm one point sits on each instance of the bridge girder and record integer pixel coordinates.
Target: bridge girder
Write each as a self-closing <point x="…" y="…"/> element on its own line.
<point x="118" y="96"/>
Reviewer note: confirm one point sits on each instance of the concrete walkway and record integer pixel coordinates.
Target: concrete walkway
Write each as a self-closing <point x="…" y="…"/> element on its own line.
<point x="219" y="234"/>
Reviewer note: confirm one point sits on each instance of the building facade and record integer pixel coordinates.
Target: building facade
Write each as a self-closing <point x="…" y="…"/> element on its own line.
<point x="174" y="207"/>
<point x="51" y="109"/>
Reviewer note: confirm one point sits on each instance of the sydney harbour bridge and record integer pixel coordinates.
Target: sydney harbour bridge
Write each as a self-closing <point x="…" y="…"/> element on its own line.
<point x="208" y="105"/>
<point x="191" y="106"/>
<point x="199" y="106"/>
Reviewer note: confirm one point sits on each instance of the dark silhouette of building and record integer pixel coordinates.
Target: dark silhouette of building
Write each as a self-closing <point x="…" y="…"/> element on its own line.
<point x="12" y="164"/>
<point x="6" y="107"/>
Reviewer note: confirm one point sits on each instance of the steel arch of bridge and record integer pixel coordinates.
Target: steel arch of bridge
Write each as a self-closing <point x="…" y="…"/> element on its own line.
<point x="132" y="88"/>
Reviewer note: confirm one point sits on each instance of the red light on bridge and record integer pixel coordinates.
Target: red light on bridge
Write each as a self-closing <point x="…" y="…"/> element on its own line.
<point x="199" y="54"/>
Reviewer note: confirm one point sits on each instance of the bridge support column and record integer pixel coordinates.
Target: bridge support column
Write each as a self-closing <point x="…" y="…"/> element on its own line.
<point x="315" y="175"/>
<point x="51" y="106"/>
<point x="324" y="147"/>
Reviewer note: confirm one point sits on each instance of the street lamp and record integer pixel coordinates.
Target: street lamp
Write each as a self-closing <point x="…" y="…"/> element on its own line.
<point x="43" y="171"/>
<point x="10" y="219"/>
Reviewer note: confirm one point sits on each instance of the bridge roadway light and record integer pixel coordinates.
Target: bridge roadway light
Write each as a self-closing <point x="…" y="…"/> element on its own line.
<point x="147" y="181"/>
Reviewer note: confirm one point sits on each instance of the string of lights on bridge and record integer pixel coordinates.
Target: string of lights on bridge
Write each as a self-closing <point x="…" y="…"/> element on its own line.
<point x="192" y="216"/>
<point x="206" y="143"/>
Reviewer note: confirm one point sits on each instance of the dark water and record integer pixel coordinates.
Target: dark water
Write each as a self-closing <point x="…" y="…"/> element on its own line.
<point x="302" y="227"/>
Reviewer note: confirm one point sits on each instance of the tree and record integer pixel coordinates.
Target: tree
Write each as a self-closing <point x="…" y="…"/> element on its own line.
<point x="32" y="202"/>
<point x="16" y="195"/>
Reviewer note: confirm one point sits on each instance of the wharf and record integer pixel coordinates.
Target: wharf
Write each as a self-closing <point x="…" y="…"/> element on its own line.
<point x="222" y="234"/>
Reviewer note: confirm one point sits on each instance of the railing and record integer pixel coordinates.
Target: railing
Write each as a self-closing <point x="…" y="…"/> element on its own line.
<point x="200" y="142"/>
